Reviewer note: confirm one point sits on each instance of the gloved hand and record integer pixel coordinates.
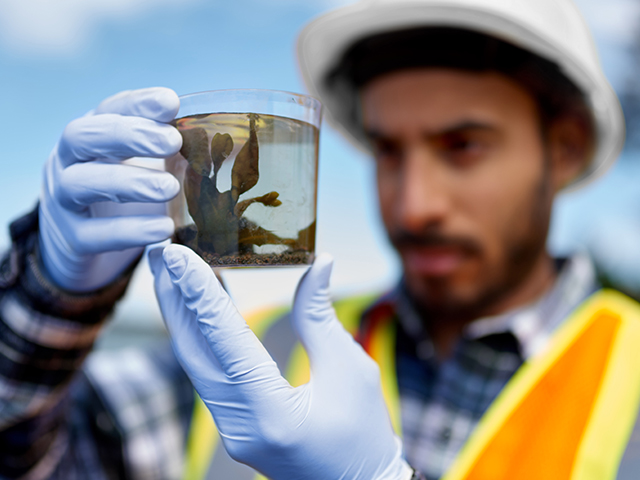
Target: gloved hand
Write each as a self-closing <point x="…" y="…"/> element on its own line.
<point x="334" y="427"/>
<point x="97" y="214"/>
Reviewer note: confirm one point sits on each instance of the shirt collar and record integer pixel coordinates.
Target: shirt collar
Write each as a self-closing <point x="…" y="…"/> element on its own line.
<point x="532" y="325"/>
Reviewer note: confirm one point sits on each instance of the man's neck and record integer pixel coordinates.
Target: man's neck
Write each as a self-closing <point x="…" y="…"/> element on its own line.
<point x="445" y="332"/>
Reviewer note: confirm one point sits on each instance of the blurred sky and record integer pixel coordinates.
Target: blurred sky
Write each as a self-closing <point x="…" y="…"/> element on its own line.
<point x="60" y="59"/>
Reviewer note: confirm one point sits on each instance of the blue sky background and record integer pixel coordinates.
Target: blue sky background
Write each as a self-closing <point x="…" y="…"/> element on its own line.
<point x="60" y="59"/>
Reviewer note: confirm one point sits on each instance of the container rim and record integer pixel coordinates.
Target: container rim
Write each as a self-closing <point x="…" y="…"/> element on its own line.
<point x="314" y="100"/>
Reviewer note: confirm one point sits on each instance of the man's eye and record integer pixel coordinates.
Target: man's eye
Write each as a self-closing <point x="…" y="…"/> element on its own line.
<point x="386" y="152"/>
<point x="462" y="145"/>
<point x="462" y="150"/>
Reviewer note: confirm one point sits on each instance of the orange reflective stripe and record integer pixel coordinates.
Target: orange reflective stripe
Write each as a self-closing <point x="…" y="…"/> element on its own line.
<point x="616" y="409"/>
<point x="559" y="417"/>
<point x="540" y="438"/>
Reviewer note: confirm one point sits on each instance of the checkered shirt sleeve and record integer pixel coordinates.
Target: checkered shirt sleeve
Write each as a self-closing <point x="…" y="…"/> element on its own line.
<point x="45" y="335"/>
<point x="149" y="400"/>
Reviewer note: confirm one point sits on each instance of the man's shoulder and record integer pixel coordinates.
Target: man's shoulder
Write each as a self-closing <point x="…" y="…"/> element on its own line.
<point x="350" y="310"/>
<point x="612" y="300"/>
<point x="608" y="309"/>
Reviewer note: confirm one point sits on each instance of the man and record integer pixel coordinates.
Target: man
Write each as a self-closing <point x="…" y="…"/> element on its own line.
<point x="473" y="137"/>
<point x="477" y="115"/>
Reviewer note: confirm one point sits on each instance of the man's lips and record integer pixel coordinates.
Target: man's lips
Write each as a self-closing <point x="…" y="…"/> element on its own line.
<point x="433" y="260"/>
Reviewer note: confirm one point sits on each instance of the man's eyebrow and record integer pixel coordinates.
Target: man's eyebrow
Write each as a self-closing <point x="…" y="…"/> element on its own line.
<point x="375" y="135"/>
<point x="462" y="126"/>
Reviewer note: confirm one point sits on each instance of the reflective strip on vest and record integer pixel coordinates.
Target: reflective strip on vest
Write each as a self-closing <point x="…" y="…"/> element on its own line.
<point x="567" y="413"/>
<point x="379" y="341"/>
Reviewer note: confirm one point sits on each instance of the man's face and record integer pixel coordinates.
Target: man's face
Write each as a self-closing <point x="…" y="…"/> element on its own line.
<point x="463" y="181"/>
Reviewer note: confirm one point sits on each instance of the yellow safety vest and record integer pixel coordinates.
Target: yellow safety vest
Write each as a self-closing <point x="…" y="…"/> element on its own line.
<point x="567" y="413"/>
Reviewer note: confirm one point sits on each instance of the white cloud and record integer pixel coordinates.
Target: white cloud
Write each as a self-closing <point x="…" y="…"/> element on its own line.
<point x="62" y="26"/>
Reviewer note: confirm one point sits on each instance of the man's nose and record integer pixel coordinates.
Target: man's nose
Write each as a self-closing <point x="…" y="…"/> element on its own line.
<point x="425" y="192"/>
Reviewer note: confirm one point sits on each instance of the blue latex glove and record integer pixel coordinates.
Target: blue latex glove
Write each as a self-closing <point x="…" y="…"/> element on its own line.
<point x="97" y="214"/>
<point x="334" y="427"/>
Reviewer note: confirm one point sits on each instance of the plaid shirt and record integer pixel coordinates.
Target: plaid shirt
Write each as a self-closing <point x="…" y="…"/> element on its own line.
<point x="442" y="400"/>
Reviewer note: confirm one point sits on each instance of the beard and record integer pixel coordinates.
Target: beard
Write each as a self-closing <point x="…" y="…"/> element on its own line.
<point x="445" y="298"/>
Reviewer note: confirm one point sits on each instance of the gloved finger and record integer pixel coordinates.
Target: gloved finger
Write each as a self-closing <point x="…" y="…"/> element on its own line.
<point x="314" y="318"/>
<point x="190" y="346"/>
<point x="155" y="103"/>
<point x="235" y="400"/>
<point x="82" y="184"/>
<point x="116" y="137"/>
<point x="98" y="235"/>
<point x="111" y="209"/>
<point x="240" y="354"/>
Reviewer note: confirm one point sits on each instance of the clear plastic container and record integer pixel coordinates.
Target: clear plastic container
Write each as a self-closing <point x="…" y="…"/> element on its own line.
<point x="248" y="169"/>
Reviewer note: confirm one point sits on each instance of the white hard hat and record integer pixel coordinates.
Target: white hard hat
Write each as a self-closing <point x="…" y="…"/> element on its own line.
<point x="551" y="29"/>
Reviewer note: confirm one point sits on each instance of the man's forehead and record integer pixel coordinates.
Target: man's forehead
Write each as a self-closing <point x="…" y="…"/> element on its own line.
<point x="438" y="99"/>
<point x="464" y="126"/>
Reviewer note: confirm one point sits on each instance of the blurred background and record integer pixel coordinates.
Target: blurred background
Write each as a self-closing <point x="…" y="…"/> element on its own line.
<point x="60" y="59"/>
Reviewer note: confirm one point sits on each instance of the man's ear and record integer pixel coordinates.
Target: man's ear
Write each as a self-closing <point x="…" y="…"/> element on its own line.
<point x="570" y="142"/>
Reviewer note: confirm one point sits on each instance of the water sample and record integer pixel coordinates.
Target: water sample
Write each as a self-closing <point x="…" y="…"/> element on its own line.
<point x="249" y="188"/>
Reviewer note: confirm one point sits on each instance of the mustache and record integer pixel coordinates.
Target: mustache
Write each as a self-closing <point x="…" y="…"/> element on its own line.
<point x="403" y="238"/>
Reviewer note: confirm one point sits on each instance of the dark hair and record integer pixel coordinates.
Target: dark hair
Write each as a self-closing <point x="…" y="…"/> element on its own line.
<point x="462" y="49"/>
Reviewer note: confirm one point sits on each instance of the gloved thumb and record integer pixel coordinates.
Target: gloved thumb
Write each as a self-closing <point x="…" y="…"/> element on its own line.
<point x="154" y="257"/>
<point x="230" y="339"/>
<point x="314" y="318"/>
